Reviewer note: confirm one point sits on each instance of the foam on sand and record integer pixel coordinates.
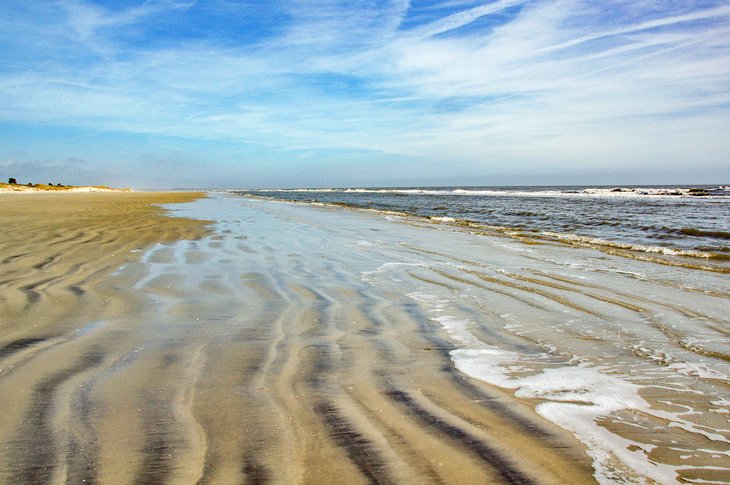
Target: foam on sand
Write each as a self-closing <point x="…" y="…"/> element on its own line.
<point x="575" y="395"/>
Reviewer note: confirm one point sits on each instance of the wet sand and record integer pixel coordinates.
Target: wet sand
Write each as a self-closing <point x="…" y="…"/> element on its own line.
<point x="298" y="344"/>
<point x="56" y="247"/>
<point x="57" y="252"/>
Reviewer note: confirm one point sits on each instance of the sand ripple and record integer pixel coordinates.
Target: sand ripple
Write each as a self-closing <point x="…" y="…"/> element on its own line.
<point x="299" y="344"/>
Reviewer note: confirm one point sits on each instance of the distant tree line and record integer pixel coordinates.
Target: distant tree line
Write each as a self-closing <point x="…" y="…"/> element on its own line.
<point x="14" y="181"/>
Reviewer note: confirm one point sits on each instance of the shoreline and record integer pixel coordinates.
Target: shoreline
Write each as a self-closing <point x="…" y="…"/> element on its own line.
<point x="302" y="344"/>
<point x="690" y="259"/>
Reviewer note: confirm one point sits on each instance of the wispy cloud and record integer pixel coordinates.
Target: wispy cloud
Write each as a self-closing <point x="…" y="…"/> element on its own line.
<point x="463" y="18"/>
<point x="720" y="13"/>
<point x="478" y="85"/>
<point x="86" y="19"/>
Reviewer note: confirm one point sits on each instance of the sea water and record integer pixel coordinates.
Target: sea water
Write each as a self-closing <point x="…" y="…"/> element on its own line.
<point x="690" y="221"/>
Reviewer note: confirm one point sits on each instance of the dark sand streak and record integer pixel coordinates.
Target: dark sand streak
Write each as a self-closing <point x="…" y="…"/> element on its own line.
<point x="471" y="443"/>
<point x="20" y="344"/>
<point x="160" y="442"/>
<point x="358" y="448"/>
<point x="82" y="455"/>
<point x="37" y="432"/>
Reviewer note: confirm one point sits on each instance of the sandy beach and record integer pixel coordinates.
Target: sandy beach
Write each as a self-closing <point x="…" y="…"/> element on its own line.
<point x="55" y="247"/>
<point x="57" y="251"/>
<point x="251" y="341"/>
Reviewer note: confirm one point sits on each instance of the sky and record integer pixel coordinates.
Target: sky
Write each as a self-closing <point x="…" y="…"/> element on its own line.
<point x="252" y="94"/>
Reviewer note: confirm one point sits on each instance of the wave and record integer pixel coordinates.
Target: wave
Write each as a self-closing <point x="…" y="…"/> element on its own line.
<point x="626" y="192"/>
<point x="689" y="231"/>
<point x="593" y="241"/>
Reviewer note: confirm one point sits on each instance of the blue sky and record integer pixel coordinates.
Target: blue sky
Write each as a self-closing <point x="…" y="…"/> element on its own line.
<point x="224" y="93"/>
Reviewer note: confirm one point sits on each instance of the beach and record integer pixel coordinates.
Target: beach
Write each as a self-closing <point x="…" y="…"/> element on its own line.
<point x="228" y="339"/>
<point x="57" y="252"/>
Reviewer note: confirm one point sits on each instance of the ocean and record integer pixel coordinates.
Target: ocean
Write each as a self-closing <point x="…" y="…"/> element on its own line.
<point x="689" y="223"/>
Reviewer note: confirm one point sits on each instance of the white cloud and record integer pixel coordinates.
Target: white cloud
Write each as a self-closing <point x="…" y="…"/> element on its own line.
<point x="551" y="80"/>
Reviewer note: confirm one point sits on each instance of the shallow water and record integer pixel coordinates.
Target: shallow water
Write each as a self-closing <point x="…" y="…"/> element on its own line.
<point x="639" y="348"/>
<point x="316" y="344"/>
<point x="671" y="220"/>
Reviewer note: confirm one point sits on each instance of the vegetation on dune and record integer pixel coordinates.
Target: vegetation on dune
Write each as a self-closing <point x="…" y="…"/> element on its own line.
<point x="13" y="185"/>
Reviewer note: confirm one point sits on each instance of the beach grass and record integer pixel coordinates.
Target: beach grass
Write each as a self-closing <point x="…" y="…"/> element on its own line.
<point x="58" y="188"/>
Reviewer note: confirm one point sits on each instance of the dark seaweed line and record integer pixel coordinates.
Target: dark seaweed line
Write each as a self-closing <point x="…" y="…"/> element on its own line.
<point x="10" y="259"/>
<point x="528" y="427"/>
<point x="444" y="348"/>
<point x="33" y="296"/>
<point x="471" y="392"/>
<point x="464" y="384"/>
<point x="34" y="346"/>
<point x="83" y="456"/>
<point x="256" y="474"/>
<point x="252" y="467"/>
<point x="492" y="457"/>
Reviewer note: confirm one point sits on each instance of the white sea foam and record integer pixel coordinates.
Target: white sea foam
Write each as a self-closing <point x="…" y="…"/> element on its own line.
<point x="386" y="267"/>
<point x="698" y="370"/>
<point x="550" y="219"/>
<point x="624" y="192"/>
<point x="594" y="241"/>
<point x="443" y="219"/>
<point x="575" y="395"/>
<point x="457" y="328"/>
<point x="723" y="405"/>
